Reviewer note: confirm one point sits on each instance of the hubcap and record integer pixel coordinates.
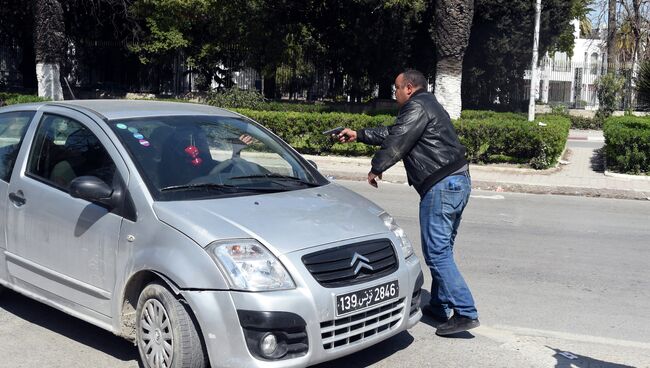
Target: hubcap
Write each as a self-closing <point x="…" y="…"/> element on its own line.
<point x="156" y="338"/>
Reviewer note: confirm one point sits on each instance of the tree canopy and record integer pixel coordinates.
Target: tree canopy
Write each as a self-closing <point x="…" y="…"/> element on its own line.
<point x="357" y="45"/>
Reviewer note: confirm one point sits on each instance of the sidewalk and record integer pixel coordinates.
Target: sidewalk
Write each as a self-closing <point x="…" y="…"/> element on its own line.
<point x="582" y="173"/>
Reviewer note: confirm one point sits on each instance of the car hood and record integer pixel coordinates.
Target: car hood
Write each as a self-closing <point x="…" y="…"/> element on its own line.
<point x="285" y="221"/>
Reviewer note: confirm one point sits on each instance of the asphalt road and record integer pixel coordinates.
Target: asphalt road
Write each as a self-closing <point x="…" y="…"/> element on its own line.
<point x="559" y="282"/>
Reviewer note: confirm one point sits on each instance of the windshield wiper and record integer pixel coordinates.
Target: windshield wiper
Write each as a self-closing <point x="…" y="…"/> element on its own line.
<point x="199" y="186"/>
<point x="275" y="177"/>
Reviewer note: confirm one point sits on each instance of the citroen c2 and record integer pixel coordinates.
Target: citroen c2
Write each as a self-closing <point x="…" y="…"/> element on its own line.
<point x="196" y="233"/>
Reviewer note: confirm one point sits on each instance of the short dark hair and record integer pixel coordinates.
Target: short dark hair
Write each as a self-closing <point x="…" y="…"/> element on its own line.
<point x="415" y="77"/>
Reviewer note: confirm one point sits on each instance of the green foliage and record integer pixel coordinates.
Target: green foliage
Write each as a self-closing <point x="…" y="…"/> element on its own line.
<point x="627" y="144"/>
<point x="608" y="89"/>
<point x="236" y="98"/>
<point x="500" y="47"/>
<point x="493" y="137"/>
<point x="303" y="131"/>
<point x="581" y="122"/>
<point x="16" y="98"/>
<point x="489" y="137"/>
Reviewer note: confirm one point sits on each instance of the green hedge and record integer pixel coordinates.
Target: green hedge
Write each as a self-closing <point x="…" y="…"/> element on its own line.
<point x="15" y="98"/>
<point x="507" y="137"/>
<point x="489" y="137"/>
<point x="581" y="122"/>
<point x="303" y="131"/>
<point x="627" y="144"/>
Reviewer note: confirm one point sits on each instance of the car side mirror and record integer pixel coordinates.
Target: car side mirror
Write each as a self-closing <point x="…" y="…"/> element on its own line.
<point x="91" y="188"/>
<point x="313" y="164"/>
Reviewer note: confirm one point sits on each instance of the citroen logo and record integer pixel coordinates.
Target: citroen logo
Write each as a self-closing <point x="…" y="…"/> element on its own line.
<point x="361" y="262"/>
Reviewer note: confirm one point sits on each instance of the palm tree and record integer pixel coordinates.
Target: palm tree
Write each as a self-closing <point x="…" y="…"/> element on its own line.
<point x="453" y="22"/>
<point x="49" y="46"/>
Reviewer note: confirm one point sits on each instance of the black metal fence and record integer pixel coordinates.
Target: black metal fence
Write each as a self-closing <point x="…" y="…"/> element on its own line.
<point x="105" y="68"/>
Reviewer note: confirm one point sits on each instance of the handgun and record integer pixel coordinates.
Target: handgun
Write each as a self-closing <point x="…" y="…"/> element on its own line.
<point x="336" y="131"/>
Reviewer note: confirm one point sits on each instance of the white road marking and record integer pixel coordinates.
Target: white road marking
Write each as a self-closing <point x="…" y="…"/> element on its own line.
<point x="570" y="336"/>
<point x="497" y="196"/>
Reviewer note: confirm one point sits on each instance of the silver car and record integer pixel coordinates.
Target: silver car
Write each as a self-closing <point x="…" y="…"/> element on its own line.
<point x="196" y="233"/>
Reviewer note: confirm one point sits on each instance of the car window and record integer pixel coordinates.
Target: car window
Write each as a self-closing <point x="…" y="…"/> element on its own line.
<point x="184" y="157"/>
<point x="65" y="149"/>
<point x="13" y="126"/>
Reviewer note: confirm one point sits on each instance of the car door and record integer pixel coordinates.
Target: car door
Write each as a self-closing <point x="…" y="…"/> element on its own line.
<point x="13" y="126"/>
<point x="60" y="247"/>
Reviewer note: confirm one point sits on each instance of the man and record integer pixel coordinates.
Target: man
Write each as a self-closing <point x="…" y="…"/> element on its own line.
<point x="435" y="163"/>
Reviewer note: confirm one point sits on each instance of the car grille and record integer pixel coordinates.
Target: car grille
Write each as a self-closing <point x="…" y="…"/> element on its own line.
<point x="352" y="263"/>
<point x="357" y="327"/>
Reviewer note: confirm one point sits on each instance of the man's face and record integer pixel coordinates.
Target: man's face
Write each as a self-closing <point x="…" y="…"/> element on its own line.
<point x="403" y="90"/>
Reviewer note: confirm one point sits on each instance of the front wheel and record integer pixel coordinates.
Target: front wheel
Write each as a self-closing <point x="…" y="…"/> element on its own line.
<point x="167" y="336"/>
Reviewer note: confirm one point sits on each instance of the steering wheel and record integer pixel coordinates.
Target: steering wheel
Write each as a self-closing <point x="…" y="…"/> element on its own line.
<point x="235" y="166"/>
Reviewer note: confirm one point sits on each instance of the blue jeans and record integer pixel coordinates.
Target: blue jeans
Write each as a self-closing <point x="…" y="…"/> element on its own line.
<point x="440" y="213"/>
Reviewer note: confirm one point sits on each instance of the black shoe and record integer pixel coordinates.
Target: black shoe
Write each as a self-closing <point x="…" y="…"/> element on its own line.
<point x="428" y="311"/>
<point x="457" y="324"/>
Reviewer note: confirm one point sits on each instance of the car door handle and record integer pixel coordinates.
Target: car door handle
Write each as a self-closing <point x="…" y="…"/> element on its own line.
<point x="17" y="198"/>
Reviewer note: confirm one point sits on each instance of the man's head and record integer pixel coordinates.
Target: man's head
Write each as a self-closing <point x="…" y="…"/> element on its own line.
<point x="407" y="83"/>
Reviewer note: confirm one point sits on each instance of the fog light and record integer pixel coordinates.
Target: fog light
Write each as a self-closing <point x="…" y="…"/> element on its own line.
<point x="269" y="344"/>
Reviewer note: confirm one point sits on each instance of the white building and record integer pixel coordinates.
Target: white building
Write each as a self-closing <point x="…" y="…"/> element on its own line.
<point x="570" y="81"/>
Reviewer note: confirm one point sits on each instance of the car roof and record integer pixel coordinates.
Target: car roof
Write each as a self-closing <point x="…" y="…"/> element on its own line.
<point x="124" y="109"/>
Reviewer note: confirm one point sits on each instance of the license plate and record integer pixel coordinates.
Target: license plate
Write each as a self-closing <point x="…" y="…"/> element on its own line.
<point x="364" y="298"/>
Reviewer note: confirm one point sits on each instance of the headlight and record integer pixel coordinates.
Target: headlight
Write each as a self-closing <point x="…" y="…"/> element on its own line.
<point x="389" y="221"/>
<point x="250" y="266"/>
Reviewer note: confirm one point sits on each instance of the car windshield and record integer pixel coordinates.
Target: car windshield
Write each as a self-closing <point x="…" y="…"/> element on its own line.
<point x="194" y="157"/>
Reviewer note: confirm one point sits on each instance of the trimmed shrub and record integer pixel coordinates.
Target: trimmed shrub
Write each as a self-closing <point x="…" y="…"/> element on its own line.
<point x="627" y="144"/>
<point x="499" y="138"/>
<point x="236" y="98"/>
<point x="510" y="138"/>
<point x="581" y="122"/>
<point x="303" y="131"/>
<point x="16" y="98"/>
<point x="487" y="114"/>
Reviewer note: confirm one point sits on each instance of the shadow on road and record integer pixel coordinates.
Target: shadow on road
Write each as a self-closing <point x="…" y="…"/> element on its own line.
<point x="433" y="323"/>
<point x="68" y="326"/>
<point x="372" y="354"/>
<point x="570" y="360"/>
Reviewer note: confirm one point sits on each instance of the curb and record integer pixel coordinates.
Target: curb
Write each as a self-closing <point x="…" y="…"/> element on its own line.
<point x="589" y="139"/>
<point x="516" y="188"/>
<point x="562" y="190"/>
<point x="626" y="176"/>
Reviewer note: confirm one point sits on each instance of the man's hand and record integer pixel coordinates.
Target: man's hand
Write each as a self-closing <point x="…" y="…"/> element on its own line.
<point x="347" y="135"/>
<point x="372" y="179"/>
<point x="246" y="139"/>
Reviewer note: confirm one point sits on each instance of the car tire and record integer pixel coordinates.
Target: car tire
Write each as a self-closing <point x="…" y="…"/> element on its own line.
<point x="2" y="288"/>
<point x="167" y="335"/>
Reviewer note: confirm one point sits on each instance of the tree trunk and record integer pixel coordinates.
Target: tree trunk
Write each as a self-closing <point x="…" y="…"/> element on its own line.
<point x="611" y="36"/>
<point x="453" y="20"/>
<point x="48" y="76"/>
<point x="49" y="47"/>
<point x="449" y="76"/>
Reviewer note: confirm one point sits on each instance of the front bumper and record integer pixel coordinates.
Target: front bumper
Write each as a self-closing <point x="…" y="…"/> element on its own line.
<point x="328" y="337"/>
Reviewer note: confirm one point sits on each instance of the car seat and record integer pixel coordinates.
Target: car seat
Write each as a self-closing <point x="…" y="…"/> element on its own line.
<point x="176" y="166"/>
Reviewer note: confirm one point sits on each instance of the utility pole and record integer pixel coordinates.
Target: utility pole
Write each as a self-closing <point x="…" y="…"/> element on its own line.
<point x="534" y="69"/>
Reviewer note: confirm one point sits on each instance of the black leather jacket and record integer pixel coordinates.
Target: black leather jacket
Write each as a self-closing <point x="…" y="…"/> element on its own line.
<point x="423" y="137"/>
